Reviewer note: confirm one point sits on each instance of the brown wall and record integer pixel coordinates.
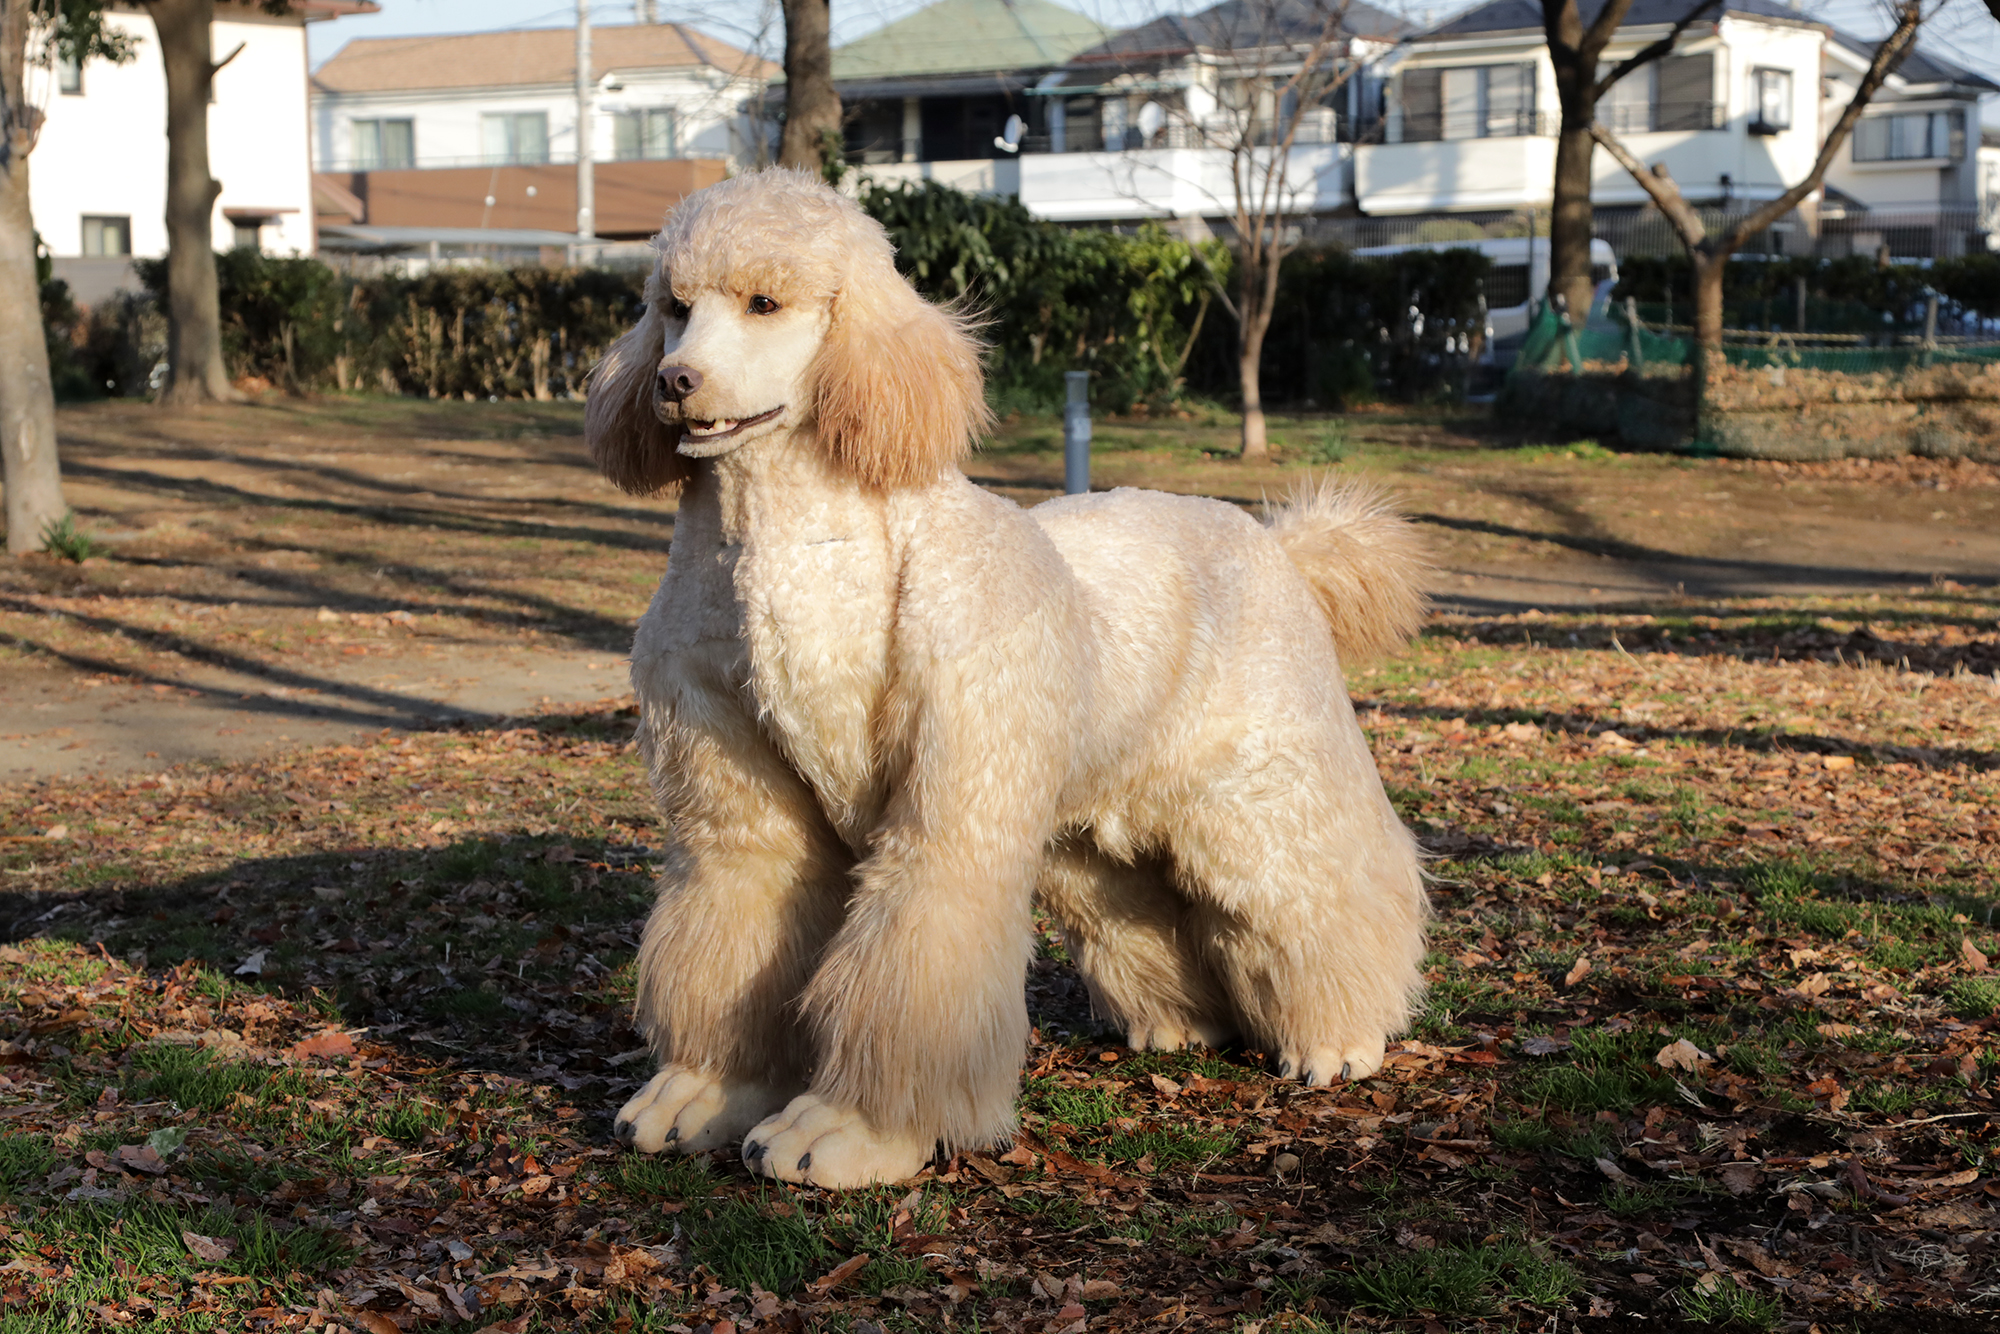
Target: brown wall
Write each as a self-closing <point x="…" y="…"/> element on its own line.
<point x="632" y="197"/>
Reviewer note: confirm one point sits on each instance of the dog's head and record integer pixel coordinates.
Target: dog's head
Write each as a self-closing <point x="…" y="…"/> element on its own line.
<point x="776" y="305"/>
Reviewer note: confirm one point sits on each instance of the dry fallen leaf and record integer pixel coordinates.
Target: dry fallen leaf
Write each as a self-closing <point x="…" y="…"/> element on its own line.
<point x="1578" y="971"/>
<point x="332" y="1042"/>
<point x="377" y="1323"/>
<point x="209" y="1248"/>
<point x="1974" y="958"/>
<point x="1680" y="1055"/>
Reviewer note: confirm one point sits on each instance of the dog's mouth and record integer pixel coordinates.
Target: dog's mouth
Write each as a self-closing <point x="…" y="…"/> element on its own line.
<point x="722" y="428"/>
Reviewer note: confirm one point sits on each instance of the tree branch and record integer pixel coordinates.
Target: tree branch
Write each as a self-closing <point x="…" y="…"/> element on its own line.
<point x="1599" y="34"/>
<point x="1660" y="48"/>
<point x="1655" y="182"/>
<point x="1909" y="15"/>
<point x="216" y="68"/>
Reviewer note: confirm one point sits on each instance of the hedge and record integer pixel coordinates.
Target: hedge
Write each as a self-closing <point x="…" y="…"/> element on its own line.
<point x="1139" y="310"/>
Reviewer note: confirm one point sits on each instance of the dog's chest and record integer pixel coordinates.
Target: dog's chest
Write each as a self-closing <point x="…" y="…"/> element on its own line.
<point x="816" y="589"/>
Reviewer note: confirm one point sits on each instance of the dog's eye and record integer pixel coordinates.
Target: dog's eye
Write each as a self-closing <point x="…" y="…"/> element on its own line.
<point x="677" y="308"/>
<point x="762" y="305"/>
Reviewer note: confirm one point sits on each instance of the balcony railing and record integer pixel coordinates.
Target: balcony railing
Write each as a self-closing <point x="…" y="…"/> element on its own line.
<point x="1088" y="138"/>
<point x="1661" y="116"/>
<point x="554" y="159"/>
<point x="1437" y="127"/>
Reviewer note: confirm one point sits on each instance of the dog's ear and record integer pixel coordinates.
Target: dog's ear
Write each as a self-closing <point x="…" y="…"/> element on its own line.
<point x="898" y="390"/>
<point x="627" y="439"/>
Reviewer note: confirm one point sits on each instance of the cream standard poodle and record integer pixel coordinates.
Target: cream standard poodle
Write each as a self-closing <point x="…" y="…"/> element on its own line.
<point x="886" y="713"/>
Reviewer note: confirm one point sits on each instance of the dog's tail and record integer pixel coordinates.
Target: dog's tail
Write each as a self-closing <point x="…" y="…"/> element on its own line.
<point x="1364" y="561"/>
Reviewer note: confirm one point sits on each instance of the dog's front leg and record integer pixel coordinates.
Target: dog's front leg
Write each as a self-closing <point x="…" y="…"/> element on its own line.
<point x="918" y="1008"/>
<point x="751" y="892"/>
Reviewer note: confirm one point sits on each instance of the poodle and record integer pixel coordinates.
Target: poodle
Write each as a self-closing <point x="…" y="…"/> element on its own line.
<point x="886" y="713"/>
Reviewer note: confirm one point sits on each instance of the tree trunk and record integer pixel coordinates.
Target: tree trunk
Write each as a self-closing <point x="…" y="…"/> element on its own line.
<point x="812" y="106"/>
<point x="195" y="373"/>
<point x="1255" y="300"/>
<point x="1708" y="270"/>
<point x="1570" y="228"/>
<point x="27" y="399"/>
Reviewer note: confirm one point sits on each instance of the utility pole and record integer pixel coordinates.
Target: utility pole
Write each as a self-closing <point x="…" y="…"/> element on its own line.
<point x="648" y="11"/>
<point x="586" y="179"/>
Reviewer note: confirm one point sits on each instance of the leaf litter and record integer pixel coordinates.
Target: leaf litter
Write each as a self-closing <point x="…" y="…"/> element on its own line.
<point x="1710" y="1036"/>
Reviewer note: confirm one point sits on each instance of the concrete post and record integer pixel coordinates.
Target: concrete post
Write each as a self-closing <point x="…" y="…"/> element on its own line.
<point x="586" y="178"/>
<point x="1076" y="433"/>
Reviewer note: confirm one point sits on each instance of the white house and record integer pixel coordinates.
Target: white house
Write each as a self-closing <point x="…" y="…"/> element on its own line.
<point x="98" y="176"/>
<point x="1470" y="113"/>
<point x="1915" y="175"/>
<point x="1086" y="127"/>
<point x="1737" y="114"/>
<point x="462" y="133"/>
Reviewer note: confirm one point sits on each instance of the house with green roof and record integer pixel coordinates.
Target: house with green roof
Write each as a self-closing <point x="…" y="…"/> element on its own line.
<point x="941" y="84"/>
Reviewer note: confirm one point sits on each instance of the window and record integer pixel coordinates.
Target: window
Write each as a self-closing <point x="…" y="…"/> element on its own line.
<point x="1468" y="102"/>
<point x="69" y="75"/>
<point x="1774" y="101"/>
<point x="1627" y="108"/>
<point x="384" y="144"/>
<point x="515" y="136"/>
<point x="107" y="236"/>
<point x="1910" y="136"/>
<point x="1684" y="94"/>
<point x="248" y="234"/>
<point x="643" y="134"/>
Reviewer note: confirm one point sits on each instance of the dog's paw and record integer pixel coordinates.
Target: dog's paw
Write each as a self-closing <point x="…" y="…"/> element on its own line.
<point x="1330" y="1065"/>
<point x="818" y="1144"/>
<point x="692" y="1111"/>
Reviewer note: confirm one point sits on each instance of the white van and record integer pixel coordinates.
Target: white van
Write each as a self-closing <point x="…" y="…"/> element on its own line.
<point x="1520" y="270"/>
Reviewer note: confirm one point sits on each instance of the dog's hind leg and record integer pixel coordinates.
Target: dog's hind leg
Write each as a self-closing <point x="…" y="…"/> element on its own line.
<point x="752" y="890"/>
<point x="1131" y="935"/>
<point x="1312" y="909"/>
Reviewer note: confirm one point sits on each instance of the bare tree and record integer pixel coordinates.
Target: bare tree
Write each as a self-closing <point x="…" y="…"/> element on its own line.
<point x="1577" y="52"/>
<point x="1710" y="254"/>
<point x="1276" y="66"/>
<point x="812" y="105"/>
<point x="32" y="33"/>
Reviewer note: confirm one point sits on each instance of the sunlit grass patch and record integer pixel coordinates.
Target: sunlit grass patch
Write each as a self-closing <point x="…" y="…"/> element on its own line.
<point x="1173" y="1146"/>
<point x="1462" y="1280"/>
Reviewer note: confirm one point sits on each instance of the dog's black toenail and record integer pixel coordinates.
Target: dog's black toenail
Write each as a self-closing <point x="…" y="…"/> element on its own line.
<point x="622" y="1131"/>
<point x="1344" y="1068"/>
<point x="1284" y="1070"/>
<point x="753" y="1153"/>
<point x="805" y="1161"/>
<point x="673" y="1134"/>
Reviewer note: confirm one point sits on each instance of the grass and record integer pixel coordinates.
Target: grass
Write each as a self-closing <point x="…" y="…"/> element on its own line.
<point x="62" y="537"/>
<point x="1457" y="1281"/>
<point x="1726" y="1304"/>
<point x="486" y="883"/>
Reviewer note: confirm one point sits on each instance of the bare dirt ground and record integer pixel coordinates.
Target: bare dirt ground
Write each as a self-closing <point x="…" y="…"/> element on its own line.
<point x="302" y="572"/>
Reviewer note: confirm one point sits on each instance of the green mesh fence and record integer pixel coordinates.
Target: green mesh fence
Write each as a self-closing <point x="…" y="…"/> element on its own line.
<point x="1552" y="347"/>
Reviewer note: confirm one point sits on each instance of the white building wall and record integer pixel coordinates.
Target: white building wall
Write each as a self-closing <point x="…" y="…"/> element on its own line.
<point x="1518" y="171"/>
<point x="104" y="152"/>
<point x="447" y="121"/>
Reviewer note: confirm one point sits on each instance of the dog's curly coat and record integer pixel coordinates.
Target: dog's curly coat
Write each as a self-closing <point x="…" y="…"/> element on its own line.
<point x="886" y="712"/>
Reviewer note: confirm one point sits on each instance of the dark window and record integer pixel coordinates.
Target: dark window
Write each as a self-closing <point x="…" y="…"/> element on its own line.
<point x="647" y="134"/>
<point x="1468" y="102"/>
<point x="1686" y="94"/>
<point x="515" y="136"/>
<point x="385" y="144"/>
<point x="69" y="75"/>
<point x="107" y="236"/>
<point x="1774" y="101"/>
<point x="1910" y="136"/>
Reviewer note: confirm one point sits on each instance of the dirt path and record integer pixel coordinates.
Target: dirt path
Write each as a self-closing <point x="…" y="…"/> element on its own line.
<point x="301" y="573"/>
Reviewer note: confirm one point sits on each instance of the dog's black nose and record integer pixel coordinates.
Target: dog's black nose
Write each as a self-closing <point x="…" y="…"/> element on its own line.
<point x="677" y="382"/>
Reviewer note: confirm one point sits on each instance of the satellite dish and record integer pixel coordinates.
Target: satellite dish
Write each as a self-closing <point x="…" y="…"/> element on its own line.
<point x="1152" y="119"/>
<point x="1010" y="136"/>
